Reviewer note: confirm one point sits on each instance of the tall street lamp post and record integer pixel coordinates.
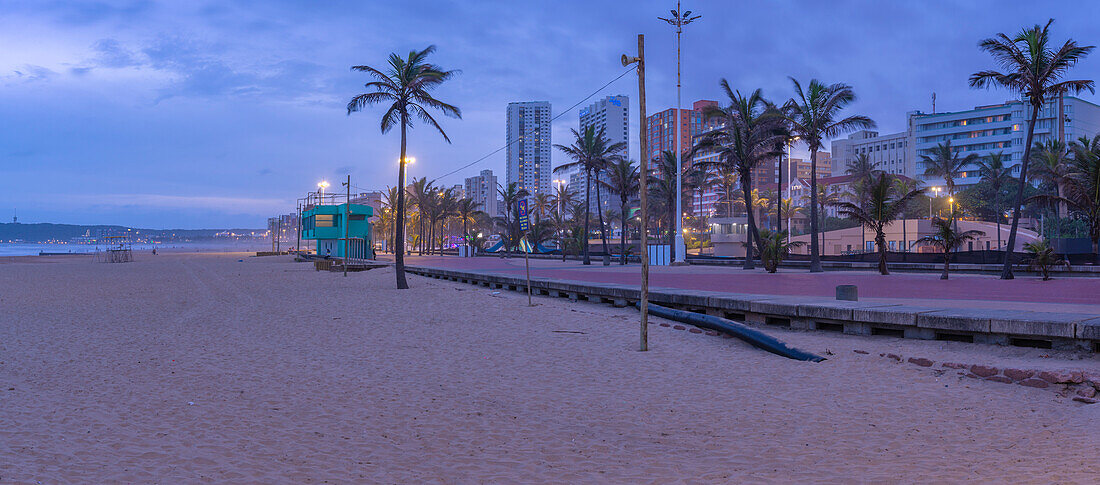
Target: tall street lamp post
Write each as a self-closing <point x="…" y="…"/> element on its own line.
<point x="679" y="19"/>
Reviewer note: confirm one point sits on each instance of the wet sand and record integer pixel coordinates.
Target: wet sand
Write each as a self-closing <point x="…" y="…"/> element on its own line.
<point x="186" y="368"/>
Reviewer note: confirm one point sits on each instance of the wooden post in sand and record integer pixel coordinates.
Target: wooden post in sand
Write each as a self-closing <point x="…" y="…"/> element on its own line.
<point x="527" y="264"/>
<point x="643" y="303"/>
<point x="347" y="223"/>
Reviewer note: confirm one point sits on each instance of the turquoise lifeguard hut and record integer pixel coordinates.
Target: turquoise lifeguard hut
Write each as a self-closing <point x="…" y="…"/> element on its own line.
<point x="325" y="224"/>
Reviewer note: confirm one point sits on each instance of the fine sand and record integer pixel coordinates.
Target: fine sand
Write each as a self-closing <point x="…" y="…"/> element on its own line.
<point x="186" y="368"/>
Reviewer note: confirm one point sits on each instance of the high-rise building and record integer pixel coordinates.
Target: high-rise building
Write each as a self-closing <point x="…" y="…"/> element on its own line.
<point x="483" y="190"/>
<point x="891" y="152"/>
<point x="612" y="115"/>
<point x="528" y="139"/>
<point x="998" y="128"/>
<point x="661" y="128"/>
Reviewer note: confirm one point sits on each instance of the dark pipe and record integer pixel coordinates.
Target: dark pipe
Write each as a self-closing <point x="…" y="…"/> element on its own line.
<point x="754" y="337"/>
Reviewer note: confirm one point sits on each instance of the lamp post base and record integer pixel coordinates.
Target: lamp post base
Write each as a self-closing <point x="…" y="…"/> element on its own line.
<point x="681" y="249"/>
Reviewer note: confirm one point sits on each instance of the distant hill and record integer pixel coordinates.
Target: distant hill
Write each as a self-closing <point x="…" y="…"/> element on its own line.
<point x="43" y="232"/>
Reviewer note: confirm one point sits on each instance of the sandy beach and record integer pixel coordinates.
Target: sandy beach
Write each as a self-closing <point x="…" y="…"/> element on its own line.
<point x="200" y="368"/>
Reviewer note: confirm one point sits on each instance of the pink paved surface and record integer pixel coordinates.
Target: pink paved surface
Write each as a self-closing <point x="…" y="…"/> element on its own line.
<point x="1026" y="292"/>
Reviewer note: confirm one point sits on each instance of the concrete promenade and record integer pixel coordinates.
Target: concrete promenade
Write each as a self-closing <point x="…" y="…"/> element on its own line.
<point x="1026" y="292"/>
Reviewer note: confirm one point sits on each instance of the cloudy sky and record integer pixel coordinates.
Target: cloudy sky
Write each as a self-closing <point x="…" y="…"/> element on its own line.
<point x="195" y="114"/>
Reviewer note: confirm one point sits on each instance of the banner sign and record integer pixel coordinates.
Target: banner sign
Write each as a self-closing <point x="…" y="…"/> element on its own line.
<point x="522" y="206"/>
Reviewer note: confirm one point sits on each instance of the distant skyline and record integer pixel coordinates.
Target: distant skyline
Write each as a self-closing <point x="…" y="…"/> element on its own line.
<point x="219" y="114"/>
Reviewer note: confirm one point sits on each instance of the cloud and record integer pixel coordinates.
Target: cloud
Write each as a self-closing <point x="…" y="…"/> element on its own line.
<point x="110" y="53"/>
<point x="30" y="73"/>
<point x="232" y="205"/>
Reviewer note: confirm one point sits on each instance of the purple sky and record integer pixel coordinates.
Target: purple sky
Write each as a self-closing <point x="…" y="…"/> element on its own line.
<point x="213" y="114"/>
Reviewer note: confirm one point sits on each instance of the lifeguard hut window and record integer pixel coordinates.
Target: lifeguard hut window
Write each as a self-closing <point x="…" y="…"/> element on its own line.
<point x="324" y="220"/>
<point x="357" y="217"/>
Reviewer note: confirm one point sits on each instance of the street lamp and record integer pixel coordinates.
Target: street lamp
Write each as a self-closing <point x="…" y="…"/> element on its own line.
<point x="679" y="19"/>
<point x="323" y="185"/>
<point x="790" y="142"/>
<point x="936" y="191"/>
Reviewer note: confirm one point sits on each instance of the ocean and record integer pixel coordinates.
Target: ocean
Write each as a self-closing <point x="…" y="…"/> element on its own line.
<point x="33" y="249"/>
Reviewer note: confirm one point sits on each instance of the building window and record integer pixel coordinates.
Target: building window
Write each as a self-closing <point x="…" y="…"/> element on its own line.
<point x="324" y="220"/>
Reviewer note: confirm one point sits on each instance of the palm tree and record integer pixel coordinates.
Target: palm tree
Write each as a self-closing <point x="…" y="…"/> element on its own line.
<point x="541" y="204"/>
<point x="1042" y="257"/>
<point x="467" y="212"/>
<point x="448" y="208"/>
<point x="590" y="151"/>
<point x="881" y="208"/>
<point x="406" y="84"/>
<point x="1082" y="187"/>
<point x="944" y="162"/>
<point x="813" y="117"/>
<point x="622" y="179"/>
<point x="775" y="248"/>
<point x="1051" y="165"/>
<point x="754" y="131"/>
<point x="697" y="179"/>
<point x="862" y="169"/>
<point x="511" y="234"/>
<point x="662" y="190"/>
<point x="420" y="191"/>
<point x="726" y="179"/>
<point x="1034" y="71"/>
<point x="905" y="185"/>
<point x="945" y="238"/>
<point x="389" y="213"/>
<point x="994" y="172"/>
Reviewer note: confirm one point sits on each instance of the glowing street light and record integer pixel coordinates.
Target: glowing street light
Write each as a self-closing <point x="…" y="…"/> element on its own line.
<point x="323" y="185"/>
<point x="936" y="191"/>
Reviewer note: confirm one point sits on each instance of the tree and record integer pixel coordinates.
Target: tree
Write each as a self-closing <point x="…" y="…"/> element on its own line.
<point x="775" y="248"/>
<point x="1042" y="257"/>
<point x="944" y="162"/>
<point x="540" y="205"/>
<point x="994" y="172"/>
<point x="511" y="234"/>
<point x="754" y="131"/>
<point x="406" y="84"/>
<point x="882" y="206"/>
<point x="814" y="116"/>
<point x="697" y="179"/>
<point x="662" y="192"/>
<point x="467" y="212"/>
<point x="590" y="151"/>
<point x="389" y="214"/>
<point x="1082" y="187"/>
<point x="622" y="179"/>
<point x="420" y="192"/>
<point x="945" y="238"/>
<point x="903" y="185"/>
<point x="1051" y="165"/>
<point x="1034" y="71"/>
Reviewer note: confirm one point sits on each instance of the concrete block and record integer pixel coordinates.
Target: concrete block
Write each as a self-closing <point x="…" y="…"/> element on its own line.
<point x="1088" y="329"/>
<point x="786" y="307"/>
<point x="802" y="324"/>
<point x="619" y="302"/>
<point x="957" y="319"/>
<point x="835" y="310"/>
<point x="991" y="339"/>
<point x="857" y="328"/>
<point x="735" y="302"/>
<point x="919" y="333"/>
<point x="900" y="315"/>
<point x="847" y="292"/>
<point x="1036" y="323"/>
<point x="1072" y="345"/>
<point x="755" y="318"/>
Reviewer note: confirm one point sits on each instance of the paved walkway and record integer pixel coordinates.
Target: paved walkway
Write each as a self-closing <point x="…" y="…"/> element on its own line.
<point x="1026" y="292"/>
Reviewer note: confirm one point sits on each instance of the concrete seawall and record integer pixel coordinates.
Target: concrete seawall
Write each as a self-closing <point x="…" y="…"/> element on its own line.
<point x="1058" y="331"/>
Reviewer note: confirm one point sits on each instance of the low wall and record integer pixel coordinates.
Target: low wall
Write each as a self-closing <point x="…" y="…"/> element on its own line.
<point x="1059" y="331"/>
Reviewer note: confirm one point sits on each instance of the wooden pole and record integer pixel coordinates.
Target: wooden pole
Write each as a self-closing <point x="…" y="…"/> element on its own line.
<point x="643" y="170"/>
<point x="347" y="225"/>
<point x="527" y="265"/>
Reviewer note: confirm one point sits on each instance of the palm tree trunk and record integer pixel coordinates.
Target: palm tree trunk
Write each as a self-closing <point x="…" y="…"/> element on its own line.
<point x="587" y="213"/>
<point x="1006" y="272"/>
<point x="754" y="234"/>
<point x="815" y="251"/>
<point x="880" y="239"/>
<point x="622" y="235"/>
<point x="599" y="212"/>
<point x="399" y="257"/>
<point x="946" y="263"/>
